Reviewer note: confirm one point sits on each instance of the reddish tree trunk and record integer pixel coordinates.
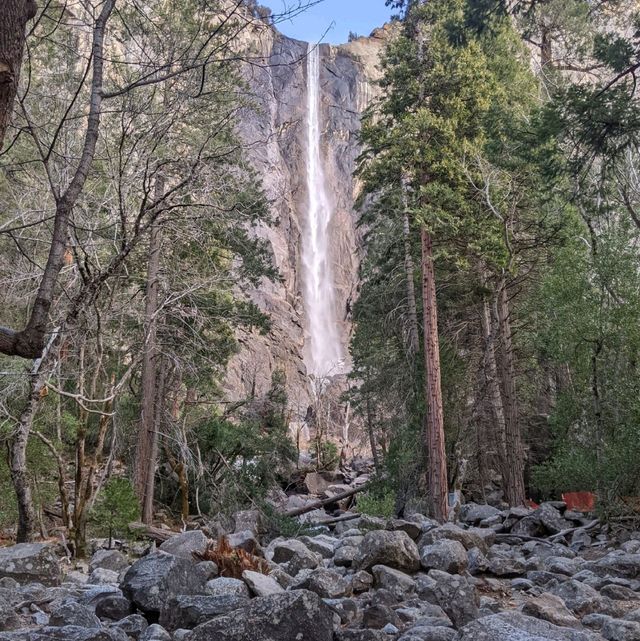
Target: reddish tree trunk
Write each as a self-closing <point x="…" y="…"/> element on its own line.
<point x="434" y="423"/>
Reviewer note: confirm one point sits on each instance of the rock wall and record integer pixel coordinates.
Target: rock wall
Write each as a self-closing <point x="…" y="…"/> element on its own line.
<point x="276" y="136"/>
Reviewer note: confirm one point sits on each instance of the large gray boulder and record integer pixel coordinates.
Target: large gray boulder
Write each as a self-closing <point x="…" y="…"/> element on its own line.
<point x="397" y="582"/>
<point x="290" y="616"/>
<point x="515" y="626"/>
<point x="617" y="630"/>
<point x="469" y="538"/>
<point x="227" y="586"/>
<point x="473" y="513"/>
<point x="260" y="584"/>
<point x="394" y="549"/>
<point x="446" y="555"/>
<point x="73" y="613"/>
<point x="454" y="594"/>
<point x="30" y="563"/>
<point x="76" y="633"/>
<point x="618" y="564"/>
<point x="185" y="544"/>
<point x="582" y="599"/>
<point x="295" y="554"/>
<point x="326" y="583"/>
<point x="108" y="560"/>
<point x="154" y="579"/>
<point x="190" y="611"/>
<point x="541" y="522"/>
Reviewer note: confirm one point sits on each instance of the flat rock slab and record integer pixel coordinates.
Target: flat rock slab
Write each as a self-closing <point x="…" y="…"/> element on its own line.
<point x="30" y="563"/>
<point x="513" y="626"/>
<point x="290" y="616"/>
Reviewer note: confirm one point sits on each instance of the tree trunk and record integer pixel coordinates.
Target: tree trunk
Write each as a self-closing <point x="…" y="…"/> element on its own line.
<point x="515" y="493"/>
<point x="14" y="16"/>
<point x="413" y="340"/>
<point x="492" y="378"/>
<point x="18" y="462"/>
<point x="434" y="424"/>
<point x="146" y="431"/>
<point x="30" y="341"/>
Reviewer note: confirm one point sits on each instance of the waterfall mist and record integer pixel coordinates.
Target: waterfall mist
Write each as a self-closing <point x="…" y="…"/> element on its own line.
<point x="324" y="346"/>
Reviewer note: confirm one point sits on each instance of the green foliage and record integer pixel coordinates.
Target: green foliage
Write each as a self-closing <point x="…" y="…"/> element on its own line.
<point x="377" y="503"/>
<point x="326" y="455"/>
<point x="116" y="507"/>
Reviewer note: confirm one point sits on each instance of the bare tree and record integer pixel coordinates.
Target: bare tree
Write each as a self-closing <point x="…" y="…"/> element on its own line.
<point x="14" y="16"/>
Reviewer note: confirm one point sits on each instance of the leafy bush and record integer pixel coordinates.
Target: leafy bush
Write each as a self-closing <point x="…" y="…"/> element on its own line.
<point x="326" y="455"/>
<point x="379" y="502"/>
<point x="115" y="508"/>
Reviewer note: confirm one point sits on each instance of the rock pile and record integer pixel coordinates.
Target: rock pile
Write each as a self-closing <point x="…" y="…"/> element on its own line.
<point x="511" y="575"/>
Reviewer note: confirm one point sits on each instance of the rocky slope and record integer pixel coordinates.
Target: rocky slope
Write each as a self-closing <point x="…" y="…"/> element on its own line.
<point x="276" y="136"/>
<point x="513" y="575"/>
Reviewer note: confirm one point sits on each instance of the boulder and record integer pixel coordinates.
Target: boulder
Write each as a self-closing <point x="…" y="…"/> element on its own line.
<point x="76" y="633"/>
<point x="326" y="583"/>
<point x="412" y="528"/>
<point x="429" y="633"/>
<point x="30" y="563"/>
<point x="183" y="545"/>
<point x="133" y="625"/>
<point x="545" y="520"/>
<point x="8" y="618"/>
<point x="550" y="607"/>
<point x="393" y="549"/>
<point x="113" y="607"/>
<point x="290" y="616"/>
<point x="361" y="581"/>
<point x="618" y="630"/>
<point x="397" y="582"/>
<point x="447" y="555"/>
<point x="102" y="576"/>
<point x="580" y="598"/>
<point x="108" y="560"/>
<point x="469" y="538"/>
<point x="515" y="626"/>
<point x="245" y="540"/>
<point x="261" y="584"/>
<point x="155" y="632"/>
<point x="473" y="513"/>
<point x="73" y="613"/>
<point x="454" y="594"/>
<point x="345" y="556"/>
<point x="295" y="554"/>
<point x="187" y="612"/>
<point x="248" y="520"/>
<point x="154" y="579"/>
<point x="322" y="544"/>
<point x="378" y="616"/>
<point x="616" y="563"/>
<point x="227" y="586"/>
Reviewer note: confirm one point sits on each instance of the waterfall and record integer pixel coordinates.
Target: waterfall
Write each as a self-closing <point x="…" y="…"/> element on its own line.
<point x="324" y="347"/>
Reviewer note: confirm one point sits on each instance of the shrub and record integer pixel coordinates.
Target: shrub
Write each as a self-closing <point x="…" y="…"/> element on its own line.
<point x="326" y="455"/>
<point x="231" y="562"/>
<point x="116" y="507"/>
<point x="377" y="503"/>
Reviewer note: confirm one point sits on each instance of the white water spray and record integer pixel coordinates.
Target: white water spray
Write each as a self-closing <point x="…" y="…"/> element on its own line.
<point x="324" y="349"/>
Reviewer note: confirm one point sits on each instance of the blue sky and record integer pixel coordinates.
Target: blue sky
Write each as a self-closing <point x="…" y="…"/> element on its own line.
<point x="339" y="17"/>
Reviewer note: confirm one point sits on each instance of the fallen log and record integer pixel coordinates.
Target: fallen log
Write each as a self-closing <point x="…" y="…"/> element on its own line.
<point x="337" y="519"/>
<point x="154" y="533"/>
<point x="505" y="538"/>
<point x="316" y="505"/>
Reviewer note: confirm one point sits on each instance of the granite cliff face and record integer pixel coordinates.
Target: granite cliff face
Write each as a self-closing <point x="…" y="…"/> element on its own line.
<point x="277" y="137"/>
